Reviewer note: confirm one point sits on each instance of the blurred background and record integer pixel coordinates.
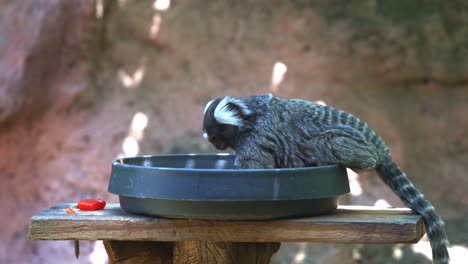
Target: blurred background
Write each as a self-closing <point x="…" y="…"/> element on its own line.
<point x="84" y="82"/>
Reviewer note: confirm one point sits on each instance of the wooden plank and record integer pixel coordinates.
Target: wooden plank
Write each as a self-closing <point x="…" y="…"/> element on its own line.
<point x="349" y="224"/>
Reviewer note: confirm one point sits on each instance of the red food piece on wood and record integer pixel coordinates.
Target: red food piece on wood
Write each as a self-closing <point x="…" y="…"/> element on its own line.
<point x="91" y="204"/>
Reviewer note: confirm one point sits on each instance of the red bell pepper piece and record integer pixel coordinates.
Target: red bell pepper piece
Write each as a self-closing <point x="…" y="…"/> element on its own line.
<point x="91" y="204"/>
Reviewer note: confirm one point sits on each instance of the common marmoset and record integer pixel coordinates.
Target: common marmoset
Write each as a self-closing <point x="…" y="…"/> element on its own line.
<point x="270" y="132"/>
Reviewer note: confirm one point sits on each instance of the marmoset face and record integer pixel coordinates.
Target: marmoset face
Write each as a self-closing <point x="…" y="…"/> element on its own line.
<point x="220" y="135"/>
<point x="221" y="123"/>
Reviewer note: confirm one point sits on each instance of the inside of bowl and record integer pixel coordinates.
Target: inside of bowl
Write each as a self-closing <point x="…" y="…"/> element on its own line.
<point x="222" y="161"/>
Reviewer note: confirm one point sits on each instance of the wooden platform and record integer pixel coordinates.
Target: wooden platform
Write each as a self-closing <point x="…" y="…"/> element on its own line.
<point x="349" y="224"/>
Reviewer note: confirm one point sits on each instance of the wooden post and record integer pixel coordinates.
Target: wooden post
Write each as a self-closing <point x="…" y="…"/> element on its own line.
<point x="189" y="252"/>
<point x="139" y="252"/>
<point x="194" y="252"/>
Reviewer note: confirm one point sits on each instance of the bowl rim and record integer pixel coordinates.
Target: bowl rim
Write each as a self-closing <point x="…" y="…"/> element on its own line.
<point x="145" y="180"/>
<point x="117" y="162"/>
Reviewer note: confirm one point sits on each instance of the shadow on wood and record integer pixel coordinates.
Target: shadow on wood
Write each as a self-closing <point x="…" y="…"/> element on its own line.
<point x="223" y="252"/>
<point x="133" y="252"/>
<point x="190" y="252"/>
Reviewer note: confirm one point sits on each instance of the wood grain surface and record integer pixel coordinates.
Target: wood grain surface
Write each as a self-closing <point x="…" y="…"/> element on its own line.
<point x="349" y="224"/>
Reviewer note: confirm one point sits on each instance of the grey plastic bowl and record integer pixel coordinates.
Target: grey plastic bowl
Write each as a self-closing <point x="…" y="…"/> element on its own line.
<point x="205" y="186"/>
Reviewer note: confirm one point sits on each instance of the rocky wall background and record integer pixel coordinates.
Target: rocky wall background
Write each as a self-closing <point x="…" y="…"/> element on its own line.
<point x="83" y="82"/>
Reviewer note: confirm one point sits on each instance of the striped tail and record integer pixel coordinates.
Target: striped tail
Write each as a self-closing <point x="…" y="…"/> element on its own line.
<point x="411" y="197"/>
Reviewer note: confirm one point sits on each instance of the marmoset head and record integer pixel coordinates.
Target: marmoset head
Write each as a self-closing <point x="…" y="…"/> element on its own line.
<point x="224" y="119"/>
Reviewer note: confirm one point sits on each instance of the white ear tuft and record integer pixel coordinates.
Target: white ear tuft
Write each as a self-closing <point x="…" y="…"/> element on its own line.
<point x="208" y="105"/>
<point x="226" y="115"/>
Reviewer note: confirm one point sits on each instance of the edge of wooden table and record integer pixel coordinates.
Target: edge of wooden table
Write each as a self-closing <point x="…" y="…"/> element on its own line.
<point x="348" y="224"/>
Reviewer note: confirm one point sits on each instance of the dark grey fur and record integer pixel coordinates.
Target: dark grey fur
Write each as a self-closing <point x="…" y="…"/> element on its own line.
<point x="286" y="133"/>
